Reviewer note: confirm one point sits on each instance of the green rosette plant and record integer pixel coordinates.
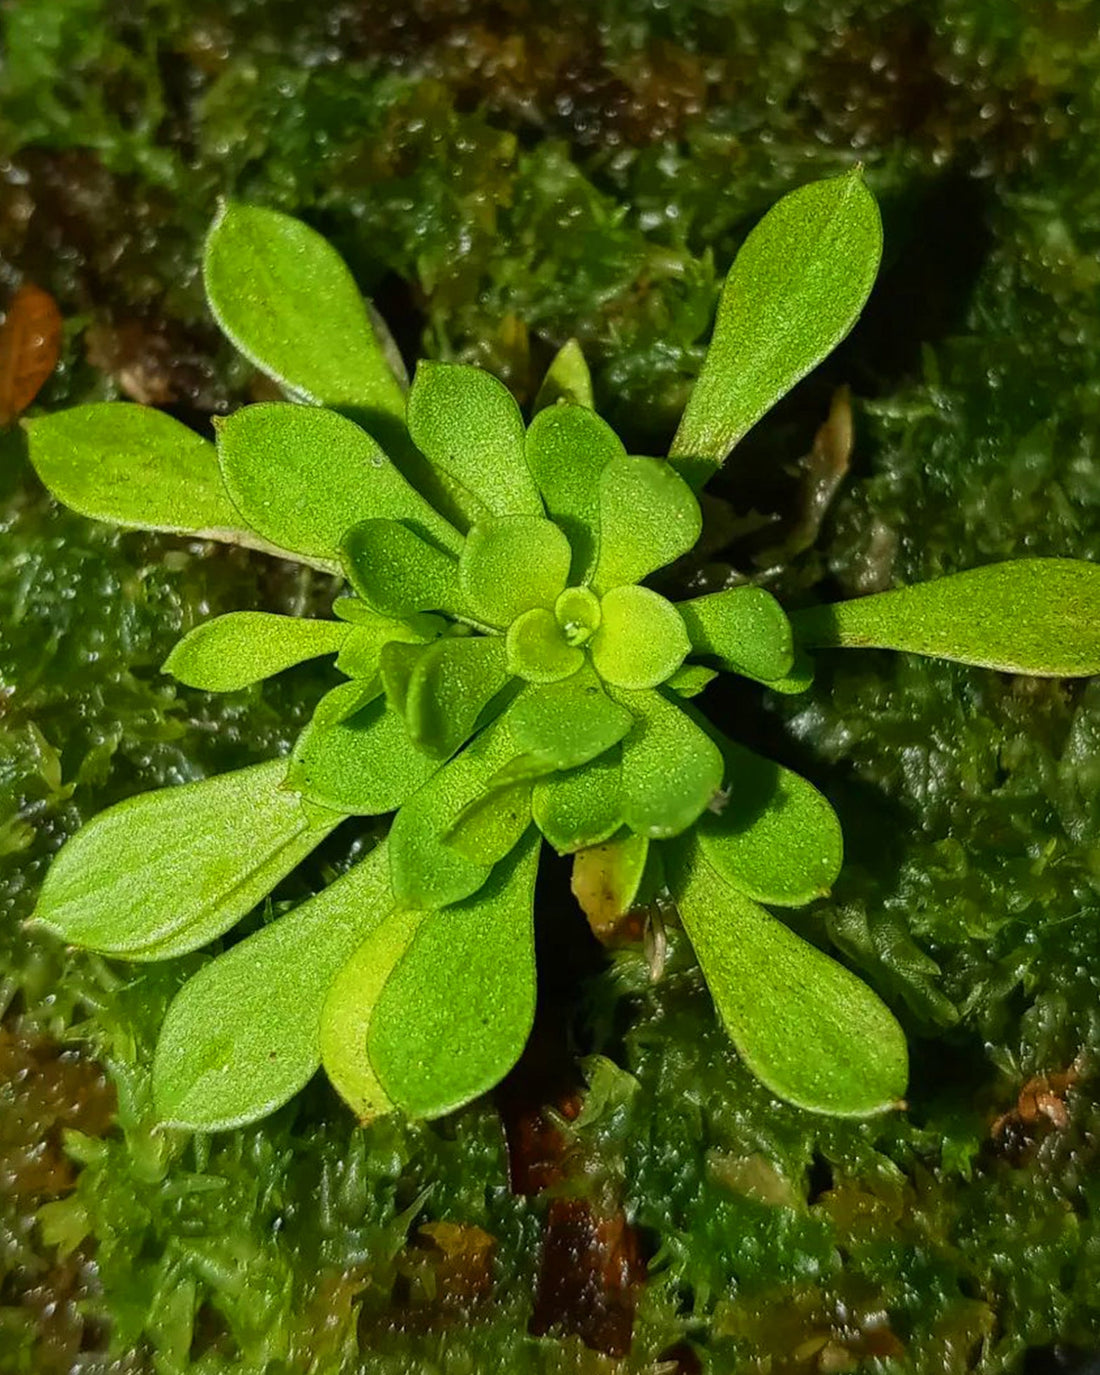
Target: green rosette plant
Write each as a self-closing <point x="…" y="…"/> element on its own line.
<point x="509" y="678"/>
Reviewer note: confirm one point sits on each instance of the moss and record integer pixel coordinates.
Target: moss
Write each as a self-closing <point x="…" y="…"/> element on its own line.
<point x="503" y="176"/>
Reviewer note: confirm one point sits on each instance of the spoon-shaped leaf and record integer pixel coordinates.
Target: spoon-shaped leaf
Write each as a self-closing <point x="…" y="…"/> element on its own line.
<point x="744" y="628"/>
<point x="581" y="807"/>
<point x="567" y="380"/>
<point x="776" y="839"/>
<point x="568" y="447"/>
<point x="371" y="633"/>
<point x="137" y="467"/>
<point x="648" y="517"/>
<point x="167" y="871"/>
<point x="244" y="647"/>
<point x="561" y="726"/>
<point x="794" y="291"/>
<point x="1037" y="616"/>
<point x="510" y="564"/>
<point x="364" y="764"/>
<point x="451" y="684"/>
<point x="468" y="425"/>
<point x="536" y="648"/>
<point x="455" y="1013"/>
<point x="641" y="640"/>
<point x="244" y="1035"/>
<point x="427" y="872"/>
<point x="490" y="827"/>
<point x="671" y="769"/>
<point x="350" y="1006"/>
<point x="807" y="1028"/>
<point x="303" y="477"/>
<point x="396" y="572"/>
<point x="285" y="298"/>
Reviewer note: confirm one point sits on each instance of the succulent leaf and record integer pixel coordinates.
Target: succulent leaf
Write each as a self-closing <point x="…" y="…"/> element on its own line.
<point x="567" y="381"/>
<point x="537" y="649"/>
<point x="511" y="564"/>
<point x="671" y="769"/>
<point x="648" y="517"/>
<point x="744" y="628"/>
<point x="396" y="572"/>
<point x="582" y="806"/>
<point x="451" y="684"/>
<point x="641" y="640"/>
<point x="244" y="647"/>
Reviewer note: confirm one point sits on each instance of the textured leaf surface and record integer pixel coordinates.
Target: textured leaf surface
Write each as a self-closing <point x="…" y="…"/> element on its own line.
<point x="671" y="768"/>
<point x="642" y="639"/>
<point x="452" y="682"/>
<point x="455" y="1013"/>
<point x="244" y="1034"/>
<point x="350" y="1006"/>
<point x="1037" y="616"/>
<point x="304" y="476"/>
<point x="167" y="871"/>
<point x="807" y="1028"/>
<point x="568" y="447"/>
<point x="563" y="725"/>
<point x="582" y="807"/>
<point x="745" y="628"/>
<point x="607" y="878"/>
<point x="648" y="517"/>
<point x="794" y="291"/>
<point x="511" y="564"/>
<point x="469" y="426"/>
<point x="364" y="764"/>
<point x="243" y="647"/>
<point x="361" y="653"/>
<point x="285" y="298"/>
<point x="489" y="827"/>
<point x="396" y="572"/>
<point x="567" y="380"/>
<point x="537" y="650"/>
<point x="776" y="839"/>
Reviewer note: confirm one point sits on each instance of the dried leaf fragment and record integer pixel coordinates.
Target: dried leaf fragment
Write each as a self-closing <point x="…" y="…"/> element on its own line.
<point x="30" y="345"/>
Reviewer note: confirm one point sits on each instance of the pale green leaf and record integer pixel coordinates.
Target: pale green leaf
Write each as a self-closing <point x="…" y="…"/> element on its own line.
<point x="244" y="1034"/>
<point x="577" y="611"/>
<point x="775" y="839"/>
<point x="581" y="807"/>
<point x="489" y="827"/>
<point x="361" y="655"/>
<point x="690" y="680"/>
<point x="568" y="447"/>
<point x="648" y="517"/>
<point x="561" y="726"/>
<point x="455" y="1013"/>
<point x="364" y="764"/>
<point x="244" y="647"/>
<point x="641" y="641"/>
<point x="427" y="872"/>
<point x="806" y="1027"/>
<point x="469" y="427"/>
<point x="671" y="770"/>
<point x="285" y="298"/>
<point x="1036" y="616"/>
<point x="510" y="564"/>
<point x="794" y="291"/>
<point x="303" y="477"/>
<point x="168" y="871"/>
<point x="350" y="1006"/>
<point x="567" y="380"/>
<point x="537" y="650"/>
<point x="344" y="700"/>
<point x="137" y="467"/>
<point x="395" y="667"/>
<point x="744" y="628"/>
<point x="451" y="684"/>
<point x="396" y="572"/>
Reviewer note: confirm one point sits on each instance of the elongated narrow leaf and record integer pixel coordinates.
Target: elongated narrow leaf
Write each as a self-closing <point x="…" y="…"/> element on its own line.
<point x="469" y="427"/>
<point x="427" y="872"/>
<point x="775" y="839"/>
<point x="167" y="871"/>
<point x="561" y="726"/>
<point x="1037" y="616"/>
<point x="397" y="573"/>
<point x="568" y="447"/>
<point x="511" y="564"/>
<point x="648" y="517"/>
<point x="244" y="1035"/>
<point x="350" y="1006"/>
<point x="671" y="768"/>
<point x="794" y="291"/>
<point x="303" y="477"/>
<point x="451" y="684"/>
<point x="744" y="628"/>
<point x="455" y="1013"/>
<point x="642" y="639"/>
<point x="582" y="807"/>
<point x="364" y="764"/>
<point x="284" y="296"/>
<point x="568" y="379"/>
<point x="137" y="467"/>
<point x="244" y="647"/>
<point x="806" y="1027"/>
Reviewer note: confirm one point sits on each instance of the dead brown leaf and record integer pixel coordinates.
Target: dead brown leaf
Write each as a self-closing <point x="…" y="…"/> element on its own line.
<point x="30" y="345"/>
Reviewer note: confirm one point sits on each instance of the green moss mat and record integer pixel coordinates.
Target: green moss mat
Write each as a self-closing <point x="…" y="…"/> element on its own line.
<point x="501" y="177"/>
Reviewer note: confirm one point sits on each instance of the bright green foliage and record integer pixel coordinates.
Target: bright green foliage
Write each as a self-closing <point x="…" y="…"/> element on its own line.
<point x="503" y="670"/>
